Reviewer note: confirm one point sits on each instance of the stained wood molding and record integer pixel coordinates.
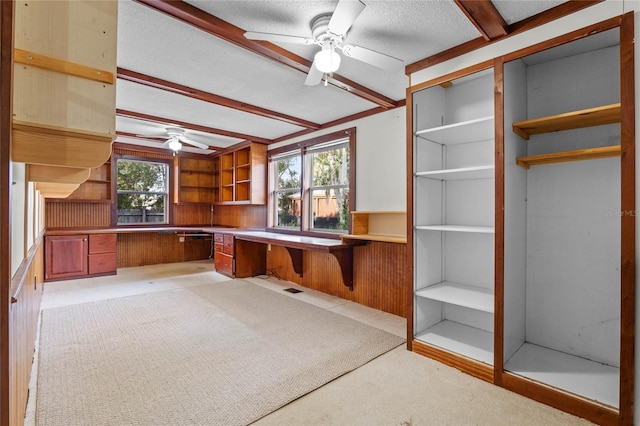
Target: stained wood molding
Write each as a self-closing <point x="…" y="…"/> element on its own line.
<point x="485" y="17"/>
<point x="58" y="65"/>
<point x="35" y="143"/>
<point x="215" y="26"/>
<point x="56" y="190"/>
<point x="201" y="95"/>
<point x="54" y="174"/>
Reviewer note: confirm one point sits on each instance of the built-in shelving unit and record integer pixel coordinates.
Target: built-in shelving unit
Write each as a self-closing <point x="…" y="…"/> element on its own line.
<point x="96" y="189"/>
<point x="562" y="251"/>
<point x="197" y="180"/>
<point x="243" y="175"/>
<point x="383" y="226"/>
<point x="453" y="220"/>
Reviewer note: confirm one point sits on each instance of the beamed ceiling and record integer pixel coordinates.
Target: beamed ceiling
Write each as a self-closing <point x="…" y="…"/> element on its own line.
<point x="187" y="64"/>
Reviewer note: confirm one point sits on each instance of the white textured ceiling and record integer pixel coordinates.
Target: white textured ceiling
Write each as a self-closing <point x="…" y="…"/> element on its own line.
<point x="152" y="43"/>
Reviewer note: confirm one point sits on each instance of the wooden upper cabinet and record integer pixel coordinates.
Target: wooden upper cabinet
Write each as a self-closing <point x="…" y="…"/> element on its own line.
<point x="243" y="175"/>
<point x="63" y="49"/>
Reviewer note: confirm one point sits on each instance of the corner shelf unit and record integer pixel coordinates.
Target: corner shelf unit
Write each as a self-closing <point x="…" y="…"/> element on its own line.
<point x="453" y="222"/>
<point x="96" y="189"/>
<point x="243" y="175"/>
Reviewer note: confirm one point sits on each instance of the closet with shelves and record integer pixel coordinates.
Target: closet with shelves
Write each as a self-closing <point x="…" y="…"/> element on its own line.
<point x="453" y="220"/>
<point x="562" y="234"/>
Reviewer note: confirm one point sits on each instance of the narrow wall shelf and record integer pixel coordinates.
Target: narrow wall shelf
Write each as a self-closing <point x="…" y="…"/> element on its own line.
<point x="457" y="228"/>
<point x="607" y="114"/>
<point x="463" y="132"/>
<point x="460" y="294"/>
<point x="382" y="226"/>
<point x="577" y="155"/>
<point x="474" y="172"/>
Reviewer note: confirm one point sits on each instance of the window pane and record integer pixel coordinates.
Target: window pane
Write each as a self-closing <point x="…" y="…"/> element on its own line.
<point x="141" y="208"/>
<point x="330" y="209"/>
<point x="331" y="167"/>
<point x="142" y="192"/>
<point x="288" y="208"/>
<point x="288" y="172"/>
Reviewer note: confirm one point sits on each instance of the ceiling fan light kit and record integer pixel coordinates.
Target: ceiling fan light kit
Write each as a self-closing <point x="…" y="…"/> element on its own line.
<point x="174" y="144"/>
<point x="327" y="60"/>
<point x="329" y="30"/>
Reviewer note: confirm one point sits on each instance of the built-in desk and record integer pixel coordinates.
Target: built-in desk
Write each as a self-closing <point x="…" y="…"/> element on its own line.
<point x="297" y="244"/>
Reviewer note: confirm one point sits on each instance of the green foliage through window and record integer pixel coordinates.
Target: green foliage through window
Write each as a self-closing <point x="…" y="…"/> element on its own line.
<point x="142" y="189"/>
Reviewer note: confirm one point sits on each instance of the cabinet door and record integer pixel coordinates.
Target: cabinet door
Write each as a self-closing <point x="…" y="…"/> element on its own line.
<point x="66" y="256"/>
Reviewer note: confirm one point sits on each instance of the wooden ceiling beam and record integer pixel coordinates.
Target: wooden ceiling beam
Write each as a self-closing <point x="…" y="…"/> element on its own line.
<point x="191" y="126"/>
<point x="485" y="17"/>
<point x="148" y="138"/>
<point x="228" y="32"/>
<point x="201" y="95"/>
<point x="534" y="21"/>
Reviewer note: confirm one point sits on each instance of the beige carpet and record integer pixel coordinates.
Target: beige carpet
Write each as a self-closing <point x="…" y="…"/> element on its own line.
<point x="218" y="354"/>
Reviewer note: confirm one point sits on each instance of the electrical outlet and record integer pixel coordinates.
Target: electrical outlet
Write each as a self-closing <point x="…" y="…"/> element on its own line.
<point x="181" y="239"/>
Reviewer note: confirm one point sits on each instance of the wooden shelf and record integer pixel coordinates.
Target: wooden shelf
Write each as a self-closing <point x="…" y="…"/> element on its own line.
<point x="457" y="228"/>
<point x="577" y="155"/>
<point x="607" y="114"/>
<point x="383" y="226"/>
<point x="473" y="297"/>
<point x="461" y="339"/>
<point x="473" y="172"/>
<point x="479" y="129"/>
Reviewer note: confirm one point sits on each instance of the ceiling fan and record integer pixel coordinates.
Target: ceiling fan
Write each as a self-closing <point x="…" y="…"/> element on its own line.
<point x="329" y="31"/>
<point x="175" y="138"/>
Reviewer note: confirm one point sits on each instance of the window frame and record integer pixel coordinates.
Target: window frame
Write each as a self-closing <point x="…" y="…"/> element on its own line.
<point x="305" y="149"/>
<point x="114" y="190"/>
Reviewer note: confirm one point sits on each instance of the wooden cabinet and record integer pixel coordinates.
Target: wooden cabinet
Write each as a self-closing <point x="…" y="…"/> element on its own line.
<point x="243" y="175"/>
<point x="197" y="180"/>
<point x="66" y="257"/>
<point x="103" y="256"/>
<point x="453" y="222"/>
<point x="223" y="256"/>
<point x="78" y="256"/>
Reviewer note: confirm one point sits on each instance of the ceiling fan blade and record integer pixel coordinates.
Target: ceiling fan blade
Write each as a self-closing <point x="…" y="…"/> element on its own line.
<point x="277" y="38"/>
<point x="315" y="75"/>
<point x="345" y="14"/>
<point x="377" y="59"/>
<point x="196" y="144"/>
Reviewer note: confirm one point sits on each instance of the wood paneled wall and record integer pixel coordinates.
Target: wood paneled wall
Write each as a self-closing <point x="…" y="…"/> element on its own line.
<point x="26" y="292"/>
<point x="378" y="278"/>
<point x="240" y="216"/>
<point x="150" y="248"/>
<point x="77" y="215"/>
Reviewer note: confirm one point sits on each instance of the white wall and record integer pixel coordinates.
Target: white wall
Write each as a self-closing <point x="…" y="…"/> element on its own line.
<point x="381" y="163"/>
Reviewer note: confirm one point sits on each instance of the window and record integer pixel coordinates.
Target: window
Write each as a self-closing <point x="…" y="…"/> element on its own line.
<point x="142" y="189"/>
<point x="311" y="185"/>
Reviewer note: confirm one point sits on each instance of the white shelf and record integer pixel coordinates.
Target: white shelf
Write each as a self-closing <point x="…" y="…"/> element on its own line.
<point x="480" y="129"/>
<point x="581" y="376"/>
<point x="468" y="296"/>
<point x="462" y="173"/>
<point x="457" y="228"/>
<point x="462" y="339"/>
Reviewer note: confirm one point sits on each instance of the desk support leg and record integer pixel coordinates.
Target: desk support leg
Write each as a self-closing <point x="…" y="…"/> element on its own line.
<point x="296" y="259"/>
<point x="345" y="260"/>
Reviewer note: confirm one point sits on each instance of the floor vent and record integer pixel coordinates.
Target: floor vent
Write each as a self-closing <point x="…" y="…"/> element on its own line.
<point x="293" y="290"/>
